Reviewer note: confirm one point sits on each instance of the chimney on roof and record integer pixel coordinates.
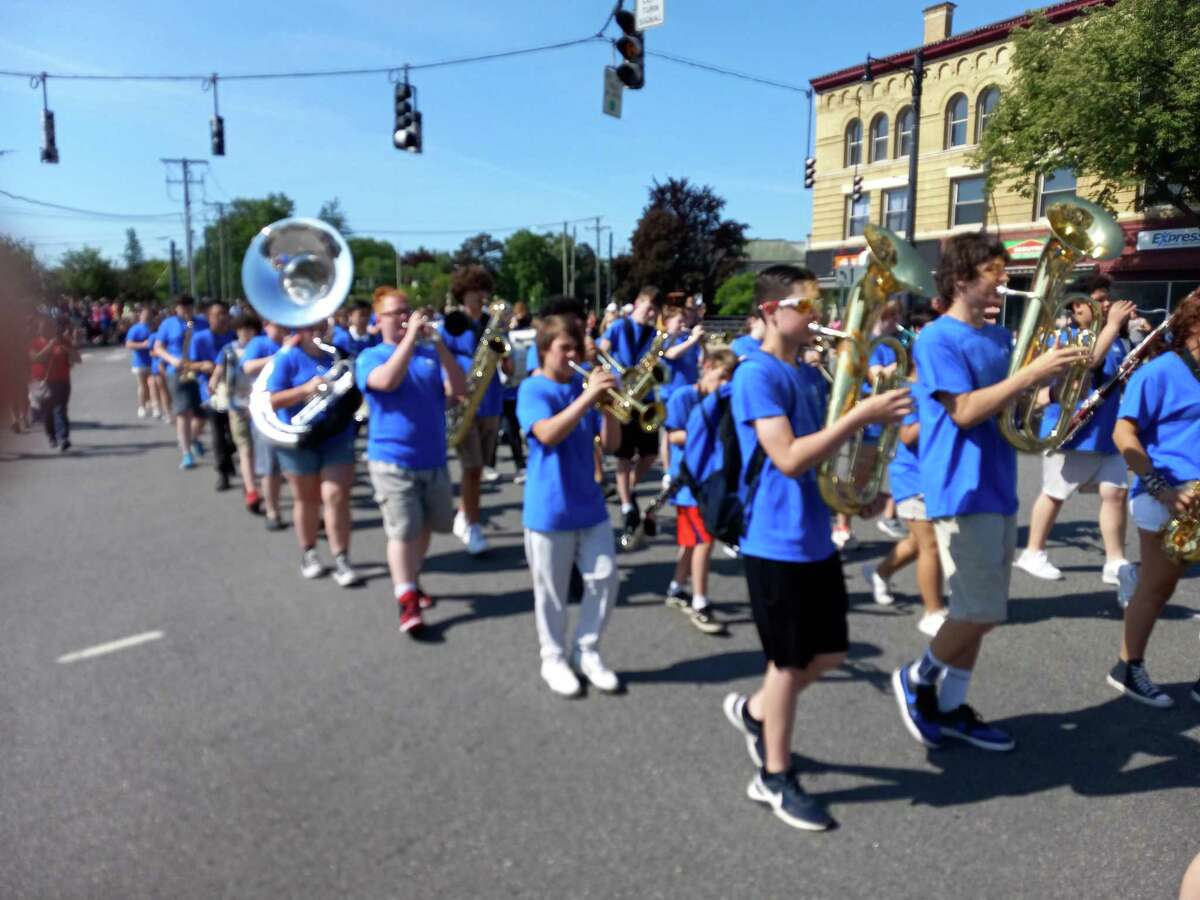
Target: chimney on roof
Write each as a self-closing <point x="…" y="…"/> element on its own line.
<point x="939" y="21"/>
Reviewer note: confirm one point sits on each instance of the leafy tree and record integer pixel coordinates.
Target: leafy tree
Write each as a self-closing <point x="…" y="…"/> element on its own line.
<point x="244" y="217"/>
<point x="134" y="256"/>
<point x="483" y="250"/>
<point x="1115" y="95"/>
<point x="682" y="242"/>
<point x="736" y="296"/>
<point x="331" y="212"/>
<point x="416" y="257"/>
<point x="374" y="265"/>
<point x="529" y="268"/>
<point x="85" y="272"/>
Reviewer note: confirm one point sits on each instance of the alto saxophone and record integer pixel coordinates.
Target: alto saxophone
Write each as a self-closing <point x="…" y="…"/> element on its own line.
<point x="1181" y="538"/>
<point x="492" y="347"/>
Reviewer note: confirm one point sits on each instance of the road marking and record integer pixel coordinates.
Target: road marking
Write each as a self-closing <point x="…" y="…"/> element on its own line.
<point x="111" y="646"/>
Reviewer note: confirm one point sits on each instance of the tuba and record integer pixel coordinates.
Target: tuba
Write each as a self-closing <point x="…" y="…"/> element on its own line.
<point x="1181" y="537"/>
<point x="296" y="272"/>
<point x="851" y="479"/>
<point x="492" y="347"/>
<point x="1079" y="230"/>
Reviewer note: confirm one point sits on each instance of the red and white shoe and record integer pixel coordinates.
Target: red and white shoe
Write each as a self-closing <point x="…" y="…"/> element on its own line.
<point x="410" y="612"/>
<point x="424" y="601"/>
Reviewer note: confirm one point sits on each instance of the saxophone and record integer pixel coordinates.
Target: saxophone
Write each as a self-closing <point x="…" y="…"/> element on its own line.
<point x="638" y="380"/>
<point x="492" y="347"/>
<point x="1181" y="538"/>
<point x="185" y="373"/>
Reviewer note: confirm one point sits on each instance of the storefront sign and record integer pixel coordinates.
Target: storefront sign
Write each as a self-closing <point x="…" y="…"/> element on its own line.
<point x="1029" y="248"/>
<point x="1169" y="239"/>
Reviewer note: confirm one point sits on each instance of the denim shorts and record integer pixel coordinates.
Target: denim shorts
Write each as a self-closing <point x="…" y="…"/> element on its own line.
<point x="336" y="451"/>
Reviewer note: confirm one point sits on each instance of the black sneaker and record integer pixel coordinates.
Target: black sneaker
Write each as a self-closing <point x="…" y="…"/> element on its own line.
<point x="66" y="445"/>
<point x="705" y="620"/>
<point x="782" y="792"/>
<point x="1132" y="680"/>
<point x="222" y="481"/>
<point x="965" y="724"/>
<point x="678" y="599"/>
<point x="632" y="518"/>
<point x="1196" y="691"/>
<point x="273" y="523"/>
<point x="739" y="717"/>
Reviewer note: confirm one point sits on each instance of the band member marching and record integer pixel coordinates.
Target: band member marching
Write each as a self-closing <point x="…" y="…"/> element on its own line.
<point x="172" y="344"/>
<point x="259" y="351"/>
<point x="402" y="380"/>
<point x="1158" y="433"/>
<point x="564" y="516"/>
<point x="138" y="341"/>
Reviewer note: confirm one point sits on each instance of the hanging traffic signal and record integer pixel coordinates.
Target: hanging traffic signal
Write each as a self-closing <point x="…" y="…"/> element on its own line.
<point x="216" y="127"/>
<point x="632" y="47"/>
<point x="810" y="171"/>
<point x="857" y="192"/>
<point x="49" y="147"/>
<point x="406" y="130"/>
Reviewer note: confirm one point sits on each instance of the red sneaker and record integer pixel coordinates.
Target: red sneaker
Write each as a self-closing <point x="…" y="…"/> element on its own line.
<point x="253" y="503"/>
<point x="424" y="600"/>
<point x="410" y="611"/>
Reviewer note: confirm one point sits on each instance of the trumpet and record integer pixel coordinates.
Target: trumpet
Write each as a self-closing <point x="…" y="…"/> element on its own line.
<point x="624" y="407"/>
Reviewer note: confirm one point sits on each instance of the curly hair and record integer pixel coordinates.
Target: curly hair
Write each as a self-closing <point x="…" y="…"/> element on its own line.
<point x="470" y="278"/>
<point x="1186" y="320"/>
<point x="961" y="257"/>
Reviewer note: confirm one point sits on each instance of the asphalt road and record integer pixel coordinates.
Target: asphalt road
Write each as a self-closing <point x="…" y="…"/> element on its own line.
<point x="282" y="739"/>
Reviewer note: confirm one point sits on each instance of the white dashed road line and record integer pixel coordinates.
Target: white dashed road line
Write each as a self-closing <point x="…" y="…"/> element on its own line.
<point x="111" y="646"/>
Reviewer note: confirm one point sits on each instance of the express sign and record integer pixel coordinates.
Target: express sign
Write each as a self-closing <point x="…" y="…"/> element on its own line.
<point x="1169" y="239"/>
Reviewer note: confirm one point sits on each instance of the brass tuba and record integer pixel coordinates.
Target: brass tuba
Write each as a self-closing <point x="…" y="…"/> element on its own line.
<point x="1079" y="230"/>
<point x="851" y="478"/>
<point x="1181" y="537"/>
<point x="492" y="347"/>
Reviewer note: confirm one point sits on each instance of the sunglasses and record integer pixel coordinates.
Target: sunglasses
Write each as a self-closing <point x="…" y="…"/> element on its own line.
<point x="801" y="305"/>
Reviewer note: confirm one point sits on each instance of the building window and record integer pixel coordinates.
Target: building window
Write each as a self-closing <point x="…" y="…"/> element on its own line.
<point x="879" y="138"/>
<point x="904" y="132"/>
<point x="967" y="203"/>
<point x="895" y="209"/>
<point x="984" y="107"/>
<point x="1058" y="185"/>
<point x="857" y="215"/>
<point x="956" y="121"/>
<point x="853" y="143"/>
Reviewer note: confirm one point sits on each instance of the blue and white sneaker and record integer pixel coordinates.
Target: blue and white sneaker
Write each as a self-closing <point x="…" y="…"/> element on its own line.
<point x="918" y="708"/>
<point x="964" y="724"/>
<point x="1127" y="582"/>
<point x="1132" y="680"/>
<point x="198" y="447"/>
<point x="187" y="462"/>
<point x="789" y="802"/>
<point x="738" y="715"/>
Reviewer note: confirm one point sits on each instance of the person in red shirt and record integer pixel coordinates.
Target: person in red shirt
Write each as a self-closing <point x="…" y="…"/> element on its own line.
<point x="51" y="355"/>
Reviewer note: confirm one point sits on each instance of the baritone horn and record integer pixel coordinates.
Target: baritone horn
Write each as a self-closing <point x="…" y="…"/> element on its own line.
<point x="852" y="478"/>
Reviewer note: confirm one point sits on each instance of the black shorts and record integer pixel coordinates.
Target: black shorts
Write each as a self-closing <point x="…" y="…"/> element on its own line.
<point x="185" y="395"/>
<point x="799" y="608"/>
<point x="636" y="442"/>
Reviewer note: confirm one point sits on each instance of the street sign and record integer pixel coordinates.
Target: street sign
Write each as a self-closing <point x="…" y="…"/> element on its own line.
<point x="650" y="13"/>
<point x="612" y="93"/>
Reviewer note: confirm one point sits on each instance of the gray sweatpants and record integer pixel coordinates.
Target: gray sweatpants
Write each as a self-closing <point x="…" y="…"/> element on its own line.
<point x="550" y="555"/>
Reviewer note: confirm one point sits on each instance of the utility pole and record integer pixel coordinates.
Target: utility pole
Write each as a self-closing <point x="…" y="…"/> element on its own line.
<point x="208" y="270"/>
<point x="174" y="270"/>
<point x="609" y="296"/>
<point x="399" y="286"/>
<point x="574" y="244"/>
<point x="596" y="306"/>
<point x="187" y="181"/>
<point x="226" y="290"/>
<point x="564" y="258"/>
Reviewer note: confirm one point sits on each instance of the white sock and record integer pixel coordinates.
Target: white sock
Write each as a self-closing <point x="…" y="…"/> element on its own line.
<point x="927" y="669"/>
<point x="699" y="601"/>
<point x="627" y="508"/>
<point x="403" y="588"/>
<point x="673" y="586"/>
<point x="953" y="690"/>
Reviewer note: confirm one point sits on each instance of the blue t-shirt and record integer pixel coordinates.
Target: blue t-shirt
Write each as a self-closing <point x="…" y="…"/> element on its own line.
<point x="170" y="337"/>
<point x="684" y="370"/>
<point x="293" y="367"/>
<point x="788" y="520"/>
<point x="679" y="409"/>
<point x="155" y="362"/>
<point x="463" y="348"/>
<point x="882" y="355"/>
<point x="531" y="359"/>
<point x="629" y="342"/>
<point x="1163" y="400"/>
<point x="1096" y="435"/>
<point x="259" y="347"/>
<point x="349" y="345"/>
<point x="971" y="471"/>
<point x="904" y="473"/>
<point x="743" y="346"/>
<point x="561" y="493"/>
<point x="407" y="425"/>
<point x="139" y="332"/>
<point x="206" y="347"/>
<point x="703" y="452"/>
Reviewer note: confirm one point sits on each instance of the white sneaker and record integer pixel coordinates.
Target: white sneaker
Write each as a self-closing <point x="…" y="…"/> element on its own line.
<point x="598" y="675"/>
<point x="731" y="552"/>
<point x="893" y="528"/>
<point x="1112" y="568"/>
<point x="141" y="412"/>
<point x="1038" y="564"/>
<point x="666" y="481"/>
<point x="879" y="586"/>
<point x="1127" y="582"/>
<point x="460" y="526"/>
<point x="475" y="541"/>
<point x="519" y="478"/>
<point x="489" y="475"/>
<point x="344" y="573"/>
<point x="311" y="565"/>
<point x="844" y="540"/>
<point x="558" y="675"/>
<point x="931" y="623"/>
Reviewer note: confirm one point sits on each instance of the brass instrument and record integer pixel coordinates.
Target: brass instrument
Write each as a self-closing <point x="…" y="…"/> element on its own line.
<point x="639" y="379"/>
<point x="624" y="408"/>
<point x="717" y="339"/>
<point x="1181" y="537"/>
<point x="851" y="479"/>
<point x="492" y="347"/>
<point x="1079" y="230"/>
<point x="184" y="372"/>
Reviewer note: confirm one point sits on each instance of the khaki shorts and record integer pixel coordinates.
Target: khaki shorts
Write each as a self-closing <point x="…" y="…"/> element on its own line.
<point x="412" y="500"/>
<point x="1065" y="472"/>
<point x="977" y="552"/>
<point x="239" y="427"/>
<point x="912" y="509"/>
<point x="480" y="443"/>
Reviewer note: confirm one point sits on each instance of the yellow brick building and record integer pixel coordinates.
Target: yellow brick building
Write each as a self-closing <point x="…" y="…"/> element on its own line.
<point x="865" y="128"/>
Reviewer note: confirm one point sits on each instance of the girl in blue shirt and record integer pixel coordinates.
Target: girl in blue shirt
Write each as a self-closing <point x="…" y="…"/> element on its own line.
<point x="137" y="340"/>
<point x="1158" y="433"/>
<point x="566" y="522"/>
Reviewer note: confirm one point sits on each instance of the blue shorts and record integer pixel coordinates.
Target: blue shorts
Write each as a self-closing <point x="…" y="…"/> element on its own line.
<point x="336" y="451"/>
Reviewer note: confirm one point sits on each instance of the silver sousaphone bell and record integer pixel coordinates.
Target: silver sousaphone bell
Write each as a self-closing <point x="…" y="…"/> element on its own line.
<point x="298" y="272"/>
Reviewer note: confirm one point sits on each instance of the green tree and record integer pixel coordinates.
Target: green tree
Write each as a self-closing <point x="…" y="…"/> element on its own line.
<point x="529" y="268"/>
<point x="243" y="218"/>
<point x="483" y="250"/>
<point x="736" y="296"/>
<point x="84" y="272"/>
<point x="332" y="213"/>
<point x="1114" y="95"/>
<point x="134" y="256"/>
<point x="374" y="265"/>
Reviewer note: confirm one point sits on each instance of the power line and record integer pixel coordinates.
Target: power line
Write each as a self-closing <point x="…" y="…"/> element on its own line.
<point x="88" y="212"/>
<point x="732" y="73"/>
<point x="451" y="231"/>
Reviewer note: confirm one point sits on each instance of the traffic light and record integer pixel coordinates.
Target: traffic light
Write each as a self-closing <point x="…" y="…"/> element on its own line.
<point x="49" y="147"/>
<point x="632" y="47"/>
<point x="810" y="171"/>
<point x="406" y="131"/>
<point x="857" y="192"/>
<point x="216" y="127"/>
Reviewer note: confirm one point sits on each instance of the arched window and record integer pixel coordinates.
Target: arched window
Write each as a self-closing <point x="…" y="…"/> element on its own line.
<point x="904" y="132"/>
<point x="854" y="143"/>
<point x="984" y="107"/>
<point x="879" y="138"/>
<point x="956" y="121"/>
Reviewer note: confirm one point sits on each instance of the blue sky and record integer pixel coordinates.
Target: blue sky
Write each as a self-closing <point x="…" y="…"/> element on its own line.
<point x="507" y="143"/>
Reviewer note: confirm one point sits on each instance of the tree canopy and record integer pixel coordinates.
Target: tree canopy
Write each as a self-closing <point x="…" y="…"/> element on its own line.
<point x="85" y="272"/>
<point x="736" y="296"/>
<point x="1114" y="95"/>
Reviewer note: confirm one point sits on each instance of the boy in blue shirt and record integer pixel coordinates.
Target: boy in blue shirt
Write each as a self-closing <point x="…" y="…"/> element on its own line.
<point x="173" y="345"/>
<point x="137" y="340"/>
<point x="681" y="357"/>
<point x="356" y="338"/>
<point x="259" y="351"/>
<point x="793" y="572"/>
<point x="969" y="483"/>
